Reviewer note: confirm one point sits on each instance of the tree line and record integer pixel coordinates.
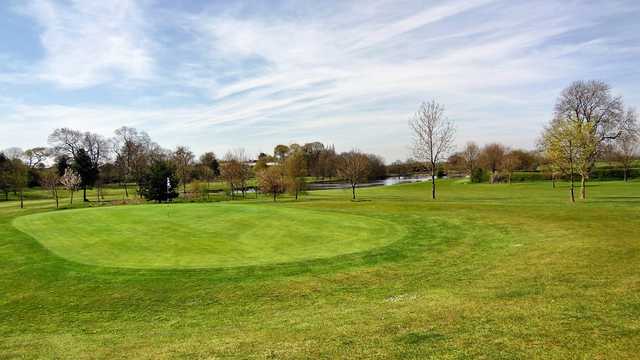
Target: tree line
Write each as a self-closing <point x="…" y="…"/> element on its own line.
<point x="589" y="124"/>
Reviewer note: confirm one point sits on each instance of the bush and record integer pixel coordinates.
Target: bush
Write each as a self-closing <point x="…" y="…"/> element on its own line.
<point x="479" y="175"/>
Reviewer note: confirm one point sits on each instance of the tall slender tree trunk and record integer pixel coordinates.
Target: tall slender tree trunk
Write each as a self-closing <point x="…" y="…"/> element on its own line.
<point x="573" y="197"/>
<point x="55" y="194"/>
<point x="553" y="181"/>
<point x="583" y="187"/>
<point x="71" y="197"/>
<point x="433" y="182"/>
<point x="353" y="190"/>
<point x="626" y="179"/>
<point x="274" y="196"/>
<point x="21" y="199"/>
<point x="126" y="191"/>
<point x="84" y="196"/>
<point x="509" y="176"/>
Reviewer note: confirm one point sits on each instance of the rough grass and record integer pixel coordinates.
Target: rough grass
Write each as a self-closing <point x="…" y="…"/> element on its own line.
<point x="486" y="271"/>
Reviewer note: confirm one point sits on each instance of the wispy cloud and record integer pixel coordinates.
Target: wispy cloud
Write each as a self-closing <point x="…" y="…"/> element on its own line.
<point x="92" y="42"/>
<point x="347" y="73"/>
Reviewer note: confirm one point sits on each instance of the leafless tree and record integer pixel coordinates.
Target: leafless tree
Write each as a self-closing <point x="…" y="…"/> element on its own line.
<point x="627" y="145"/>
<point x="353" y="166"/>
<point x="433" y="136"/>
<point x="470" y="155"/>
<point x="36" y="157"/>
<point x="510" y="162"/>
<point x="51" y="180"/>
<point x="183" y="158"/>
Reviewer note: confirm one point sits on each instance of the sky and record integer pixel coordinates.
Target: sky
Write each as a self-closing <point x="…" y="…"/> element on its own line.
<point x="217" y="75"/>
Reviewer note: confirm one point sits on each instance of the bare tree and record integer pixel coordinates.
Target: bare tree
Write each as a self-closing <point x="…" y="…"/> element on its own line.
<point x="470" y="155"/>
<point x="50" y="180"/>
<point x="353" y="166"/>
<point x="183" y="158"/>
<point x="36" y="157"/>
<point x="627" y="145"/>
<point x="433" y="136"/>
<point x="510" y="162"/>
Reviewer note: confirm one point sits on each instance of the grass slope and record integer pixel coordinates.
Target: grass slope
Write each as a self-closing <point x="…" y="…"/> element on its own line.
<point x="203" y="235"/>
<point x="485" y="271"/>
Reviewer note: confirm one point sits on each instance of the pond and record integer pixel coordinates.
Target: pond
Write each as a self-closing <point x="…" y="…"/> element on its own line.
<point x="394" y="180"/>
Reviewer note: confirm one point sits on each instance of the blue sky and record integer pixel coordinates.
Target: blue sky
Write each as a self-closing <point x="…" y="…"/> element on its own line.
<point x="221" y="75"/>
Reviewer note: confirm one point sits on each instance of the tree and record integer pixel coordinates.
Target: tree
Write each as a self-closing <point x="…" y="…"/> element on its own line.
<point x="470" y="155"/>
<point x="590" y="105"/>
<point x="627" y="144"/>
<point x="433" y="136"/>
<point x="87" y="169"/>
<point x="19" y="178"/>
<point x="183" y="158"/>
<point x="5" y="175"/>
<point x="62" y="163"/>
<point x="280" y="151"/>
<point x="35" y="157"/>
<point x="510" y="162"/>
<point x="492" y="156"/>
<point x="160" y="182"/>
<point x="271" y="181"/>
<point x="377" y="168"/>
<point x="71" y="181"/>
<point x="295" y="169"/>
<point x="568" y="146"/>
<point x="50" y="180"/>
<point x="209" y="160"/>
<point x="353" y="166"/>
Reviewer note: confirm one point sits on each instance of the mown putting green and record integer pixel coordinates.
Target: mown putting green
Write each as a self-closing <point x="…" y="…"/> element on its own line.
<point x="203" y="235"/>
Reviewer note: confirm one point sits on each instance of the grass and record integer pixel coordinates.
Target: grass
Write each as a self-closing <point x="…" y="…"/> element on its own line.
<point x="486" y="271"/>
<point x="203" y="235"/>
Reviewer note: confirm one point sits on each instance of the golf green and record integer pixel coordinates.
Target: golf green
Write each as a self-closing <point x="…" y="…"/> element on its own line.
<point x="203" y="235"/>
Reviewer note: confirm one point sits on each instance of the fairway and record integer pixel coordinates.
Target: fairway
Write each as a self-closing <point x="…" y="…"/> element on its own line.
<point x="203" y="235"/>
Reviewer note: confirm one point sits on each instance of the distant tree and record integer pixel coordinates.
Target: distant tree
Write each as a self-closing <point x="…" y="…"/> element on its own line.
<point x="510" y="163"/>
<point x="87" y="169"/>
<point x="160" y="183"/>
<point x="590" y="105"/>
<point x="470" y="155"/>
<point x="261" y="163"/>
<point x="526" y="160"/>
<point x="71" y="181"/>
<point x="6" y="169"/>
<point x="627" y="145"/>
<point x="209" y="160"/>
<point x="280" y="151"/>
<point x="19" y="172"/>
<point x="353" y="166"/>
<point x="433" y="136"/>
<point x="377" y="168"/>
<point x="492" y="156"/>
<point x="183" y="158"/>
<point x="568" y="146"/>
<point x="271" y="181"/>
<point x="51" y="180"/>
<point x="235" y="171"/>
<point x="36" y="157"/>
<point x="62" y="163"/>
<point x="295" y="168"/>
<point x="326" y="165"/>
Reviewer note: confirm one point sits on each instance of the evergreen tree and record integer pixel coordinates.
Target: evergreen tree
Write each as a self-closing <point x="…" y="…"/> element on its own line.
<point x="87" y="170"/>
<point x="160" y="183"/>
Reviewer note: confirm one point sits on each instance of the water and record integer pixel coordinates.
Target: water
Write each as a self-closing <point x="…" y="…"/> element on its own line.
<point x="383" y="182"/>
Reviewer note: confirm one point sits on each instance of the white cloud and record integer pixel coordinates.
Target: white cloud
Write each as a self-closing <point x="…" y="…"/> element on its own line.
<point x="92" y="42"/>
